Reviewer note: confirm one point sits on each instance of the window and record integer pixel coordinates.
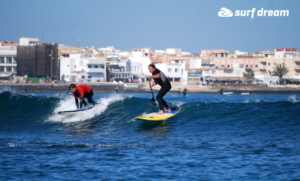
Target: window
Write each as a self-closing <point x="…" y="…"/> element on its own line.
<point x="228" y="65"/>
<point x="251" y="66"/>
<point x="256" y="66"/>
<point x="1" y="59"/>
<point x="9" y="60"/>
<point x="9" y="69"/>
<point x="176" y="70"/>
<point x="269" y="64"/>
<point x="89" y="66"/>
<point x="169" y="70"/>
<point x="176" y="79"/>
<point x="241" y="65"/>
<point x="68" y="65"/>
<point x="102" y="66"/>
<point x="213" y="72"/>
<point x="246" y="66"/>
<point x="228" y="71"/>
<point x="96" y="66"/>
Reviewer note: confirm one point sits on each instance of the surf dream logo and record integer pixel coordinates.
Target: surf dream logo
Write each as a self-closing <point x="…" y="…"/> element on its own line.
<point x="224" y="12"/>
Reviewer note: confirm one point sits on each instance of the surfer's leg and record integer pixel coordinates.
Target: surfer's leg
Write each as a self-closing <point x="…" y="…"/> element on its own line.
<point x="82" y="101"/>
<point x="89" y="97"/>
<point x="163" y="91"/>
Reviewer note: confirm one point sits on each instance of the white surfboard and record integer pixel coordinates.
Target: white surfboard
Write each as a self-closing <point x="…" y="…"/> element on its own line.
<point x="74" y="111"/>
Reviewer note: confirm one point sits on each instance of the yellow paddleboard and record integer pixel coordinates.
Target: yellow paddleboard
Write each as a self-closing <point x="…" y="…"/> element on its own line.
<point x="155" y="117"/>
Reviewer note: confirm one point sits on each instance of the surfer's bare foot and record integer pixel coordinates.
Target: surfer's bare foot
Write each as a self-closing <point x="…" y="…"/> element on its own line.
<point x="168" y="110"/>
<point x="160" y="112"/>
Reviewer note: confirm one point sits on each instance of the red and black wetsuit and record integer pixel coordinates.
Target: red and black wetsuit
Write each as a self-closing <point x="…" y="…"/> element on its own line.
<point x="82" y="92"/>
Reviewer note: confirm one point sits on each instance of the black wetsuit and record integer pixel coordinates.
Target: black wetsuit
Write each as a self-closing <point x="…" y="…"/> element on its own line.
<point x="89" y="97"/>
<point x="184" y="92"/>
<point x="165" y="87"/>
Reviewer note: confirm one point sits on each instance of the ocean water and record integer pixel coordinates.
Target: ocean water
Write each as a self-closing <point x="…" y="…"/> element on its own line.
<point x="229" y="137"/>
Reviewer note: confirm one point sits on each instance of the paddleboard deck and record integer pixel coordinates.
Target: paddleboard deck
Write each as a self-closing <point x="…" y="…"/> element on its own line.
<point x="74" y="111"/>
<point x="155" y="117"/>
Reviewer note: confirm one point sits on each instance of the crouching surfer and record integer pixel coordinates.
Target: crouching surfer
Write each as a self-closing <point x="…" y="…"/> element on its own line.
<point x="82" y="92"/>
<point x="160" y="79"/>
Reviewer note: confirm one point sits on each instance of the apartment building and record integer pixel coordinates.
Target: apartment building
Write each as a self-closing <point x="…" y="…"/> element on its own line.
<point x="76" y="68"/>
<point x="8" y="63"/>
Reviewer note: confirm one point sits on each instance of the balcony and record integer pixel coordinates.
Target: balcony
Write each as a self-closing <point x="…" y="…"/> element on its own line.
<point x="297" y="67"/>
<point x="296" y="58"/>
<point x="263" y="68"/>
<point x="94" y="70"/>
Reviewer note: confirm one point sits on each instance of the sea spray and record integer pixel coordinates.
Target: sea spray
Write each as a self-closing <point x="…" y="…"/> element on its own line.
<point x="69" y="104"/>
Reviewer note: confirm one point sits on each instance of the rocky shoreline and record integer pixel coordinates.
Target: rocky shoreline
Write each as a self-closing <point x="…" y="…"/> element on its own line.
<point x="141" y="88"/>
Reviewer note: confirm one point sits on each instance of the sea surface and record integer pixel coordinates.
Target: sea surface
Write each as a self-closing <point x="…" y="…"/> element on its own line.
<point x="214" y="137"/>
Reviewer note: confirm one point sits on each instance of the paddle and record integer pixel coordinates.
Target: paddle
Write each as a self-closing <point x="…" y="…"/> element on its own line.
<point x="152" y="100"/>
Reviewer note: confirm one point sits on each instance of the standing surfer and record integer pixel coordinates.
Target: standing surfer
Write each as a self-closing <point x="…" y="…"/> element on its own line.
<point x="82" y="92"/>
<point x="184" y="92"/>
<point x="117" y="90"/>
<point x="160" y="79"/>
<point x="221" y="91"/>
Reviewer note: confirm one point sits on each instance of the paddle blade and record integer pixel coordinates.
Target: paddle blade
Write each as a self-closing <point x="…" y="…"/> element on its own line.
<point x="153" y="101"/>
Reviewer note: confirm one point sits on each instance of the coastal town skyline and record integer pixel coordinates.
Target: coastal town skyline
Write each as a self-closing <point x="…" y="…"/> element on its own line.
<point x="191" y="25"/>
<point x="109" y="64"/>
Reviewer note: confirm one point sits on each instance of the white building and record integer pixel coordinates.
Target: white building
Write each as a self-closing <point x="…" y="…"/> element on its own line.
<point x="239" y="53"/>
<point x="8" y="64"/>
<point x="110" y="52"/>
<point x="141" y="60"/>
<point x="267" y="78"/>
<point x="175" y="71"/>
<point x="194" y="74"/>
<point x="173" y="51"/>
<point x="285" y="52"/>
<point x="201" y="70"/>
<point x="233" y="73"/>
<point x="76" y="68"/>
<point x="25" y="41"/>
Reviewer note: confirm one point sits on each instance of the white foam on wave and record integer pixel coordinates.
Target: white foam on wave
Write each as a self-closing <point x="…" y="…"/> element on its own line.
<point x="69" y="104"/>
<point x="292" y="99"/>
<point x="7" y="89"/>
<point x="177" y="103"/>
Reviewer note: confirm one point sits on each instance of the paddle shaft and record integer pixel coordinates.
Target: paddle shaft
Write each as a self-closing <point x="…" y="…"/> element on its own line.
<point x="151" y="90"/>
